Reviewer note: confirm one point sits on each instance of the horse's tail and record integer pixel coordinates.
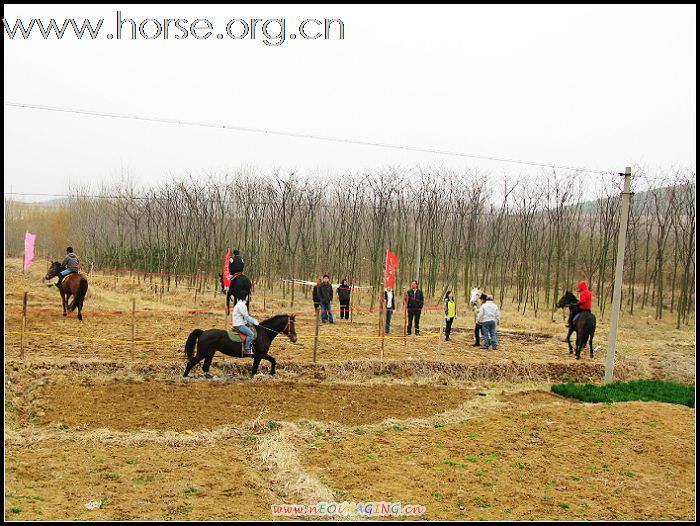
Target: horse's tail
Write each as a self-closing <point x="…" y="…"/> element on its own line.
<point x="191" y="341"/>
<point x="79" y="296"/>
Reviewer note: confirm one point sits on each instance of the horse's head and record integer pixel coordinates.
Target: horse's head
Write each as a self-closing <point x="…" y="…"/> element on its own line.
<point x="567" y="299"/>
<point x="53" y="271"/>
<point x="290" y="329"/>
<point x="474" y="296"/>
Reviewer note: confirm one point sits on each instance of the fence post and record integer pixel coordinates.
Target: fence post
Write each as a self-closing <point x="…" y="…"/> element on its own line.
<point x="318" y="315"/>
<point x="382" y="324"/>
<point x="133" y="325"/>
<point x="405" y="320"/>
<point x="24" y="326"/>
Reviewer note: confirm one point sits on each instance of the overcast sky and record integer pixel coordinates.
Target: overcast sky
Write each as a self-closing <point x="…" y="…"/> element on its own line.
<point x="593" y="86"/>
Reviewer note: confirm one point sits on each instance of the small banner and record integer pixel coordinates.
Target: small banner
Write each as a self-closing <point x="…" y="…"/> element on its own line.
<point x="390" y="270"/>
<point x="28" y="249"/>
<point x="226" y="273"/>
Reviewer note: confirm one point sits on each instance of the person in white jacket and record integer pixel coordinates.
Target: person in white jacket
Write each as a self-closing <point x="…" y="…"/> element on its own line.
<point x="240" y="318"/>
<point x="489" y="315"/>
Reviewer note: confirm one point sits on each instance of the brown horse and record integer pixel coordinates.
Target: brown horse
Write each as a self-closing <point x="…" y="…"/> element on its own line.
<point x="75" y="285"/>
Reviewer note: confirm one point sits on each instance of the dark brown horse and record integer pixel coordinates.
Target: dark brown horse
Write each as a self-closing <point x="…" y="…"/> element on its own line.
<point x="75" y="285"/>
<point x="583" y="325"/>
<point x="212" y="340"/>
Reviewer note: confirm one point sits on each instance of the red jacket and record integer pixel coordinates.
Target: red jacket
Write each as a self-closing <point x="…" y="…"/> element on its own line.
<point x="586" y="299"/>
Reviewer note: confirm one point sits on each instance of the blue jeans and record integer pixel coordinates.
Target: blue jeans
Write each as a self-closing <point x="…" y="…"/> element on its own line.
<point x="326" y="313"/>
<point x="489" y="332"/>
<point x="389" y="314"/>
<point x="64" y="273"/>
<point x="249" y="340"/>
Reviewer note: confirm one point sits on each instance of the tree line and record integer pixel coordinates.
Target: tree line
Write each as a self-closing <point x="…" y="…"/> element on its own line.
<point x="526" y="239"/>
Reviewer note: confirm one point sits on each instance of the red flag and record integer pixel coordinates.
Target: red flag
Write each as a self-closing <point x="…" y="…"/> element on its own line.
<point x="390" y="270"/>
<point x="226" y="273"/>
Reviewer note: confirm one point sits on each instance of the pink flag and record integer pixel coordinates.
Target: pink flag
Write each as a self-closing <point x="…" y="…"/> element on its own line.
<point x="28" y="249"/>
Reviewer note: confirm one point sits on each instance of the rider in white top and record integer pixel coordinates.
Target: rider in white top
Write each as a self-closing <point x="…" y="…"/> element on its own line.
<point x="239" y="319"/>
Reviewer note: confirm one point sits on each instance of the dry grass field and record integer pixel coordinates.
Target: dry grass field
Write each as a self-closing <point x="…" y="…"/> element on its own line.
<point x="99" y="429"/>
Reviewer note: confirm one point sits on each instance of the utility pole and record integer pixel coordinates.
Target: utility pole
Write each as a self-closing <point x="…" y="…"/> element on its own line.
<point x="617" y="290"/>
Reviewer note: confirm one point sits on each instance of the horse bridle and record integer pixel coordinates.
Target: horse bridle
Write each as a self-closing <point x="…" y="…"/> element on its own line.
<point x="283" y="331"/>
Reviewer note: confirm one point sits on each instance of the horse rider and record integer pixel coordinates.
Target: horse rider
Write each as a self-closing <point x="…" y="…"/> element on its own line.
<point x="239" y="319"/>
<point x="71" y="263"/>
<point x="235" y="266"/>
<point x="584" y="303"/>
<point x="236" y="263"/>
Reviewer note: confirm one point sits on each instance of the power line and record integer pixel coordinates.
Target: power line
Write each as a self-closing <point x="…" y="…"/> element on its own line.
<point x="297" y="135"/>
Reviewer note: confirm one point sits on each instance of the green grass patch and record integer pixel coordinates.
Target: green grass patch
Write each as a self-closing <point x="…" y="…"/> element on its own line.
<point x="642" y="390"/>
<point x="190" y="491"/>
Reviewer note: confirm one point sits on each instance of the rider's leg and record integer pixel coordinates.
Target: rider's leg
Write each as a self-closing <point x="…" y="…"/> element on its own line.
<point x="249" y="340"/>
<point x="61" y="275"/>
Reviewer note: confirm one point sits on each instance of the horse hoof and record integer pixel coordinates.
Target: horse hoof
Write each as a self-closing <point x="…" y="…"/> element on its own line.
<point x="65" y="314"/>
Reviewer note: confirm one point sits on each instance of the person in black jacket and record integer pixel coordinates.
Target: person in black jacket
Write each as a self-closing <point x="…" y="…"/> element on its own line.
<point x="325" y="294"/>
<point x="236" y="263"/>
<point x="344" y="299"/>
<point x="315" y="296"/>
<point x="414" y="299"/>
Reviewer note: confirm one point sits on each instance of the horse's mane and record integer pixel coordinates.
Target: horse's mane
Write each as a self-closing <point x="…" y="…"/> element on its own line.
<point x="272" y="320"/>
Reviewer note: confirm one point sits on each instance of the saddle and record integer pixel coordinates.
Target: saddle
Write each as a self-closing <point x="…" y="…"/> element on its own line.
<point x="69" y="274"/>
<point x="234" y="276"/>
<point x="239" y="337"/>
<point x="578" y="316"/>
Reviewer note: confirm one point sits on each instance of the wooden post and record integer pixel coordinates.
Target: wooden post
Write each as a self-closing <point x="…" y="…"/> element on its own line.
<point x="352" y="297"/>
<point x="24" y="326"/>
<point x="262" y="282"/>
<point x="382" y="323"/>
<point x="318" y="315"/>
<point x="133" y="325"/>
<point x="195" y="295"/>
<point x="442" y="322"/>
<point x="293" y="287"/>
<point x="92" y="263"/>
<point x="617" y="291"/>
<point x="405" y="320"/>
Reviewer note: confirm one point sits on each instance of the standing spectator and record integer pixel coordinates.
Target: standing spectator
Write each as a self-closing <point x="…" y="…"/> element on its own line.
<point x="325" y="294"/>
<point x="315" y="296"/>
<point x="478" y="329"/>
<point x="344" y="299"/>
<point x="390" y="306"/>
<point x="450" y="313"/>
<point x="489" y="315"/>
<point x="414" y="300"/>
